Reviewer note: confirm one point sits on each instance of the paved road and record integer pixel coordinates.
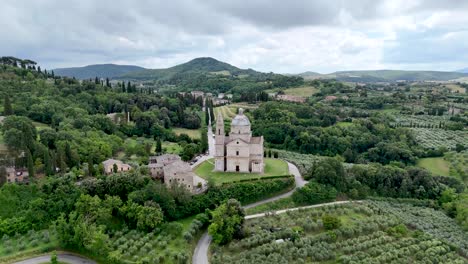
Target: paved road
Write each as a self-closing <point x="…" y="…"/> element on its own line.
<point x="200" y="255"/>
<point x="64" y="257"/>
<point x="300" y="182"/>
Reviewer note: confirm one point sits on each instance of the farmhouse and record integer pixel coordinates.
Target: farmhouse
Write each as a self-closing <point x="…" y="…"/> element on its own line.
<point x="238" y="152"/>
<point x="290" y="98"/>
<point x="109" y="166"/>
<point x="156" y="164"/>
<point x="172" y="170"/>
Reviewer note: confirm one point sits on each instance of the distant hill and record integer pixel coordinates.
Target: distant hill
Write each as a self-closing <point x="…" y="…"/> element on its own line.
<point x="391" y="76"/>
<point x="204" y="65"/>
<point x="310" y="75"/>
<point x="99" y="70"/>
<point x="465" y="70"/>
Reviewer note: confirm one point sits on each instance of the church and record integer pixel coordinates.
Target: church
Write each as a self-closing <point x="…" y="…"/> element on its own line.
<point x="238" y="152"/>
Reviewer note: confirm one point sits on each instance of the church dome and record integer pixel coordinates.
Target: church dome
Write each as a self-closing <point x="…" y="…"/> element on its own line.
<point x="240" y="119"/>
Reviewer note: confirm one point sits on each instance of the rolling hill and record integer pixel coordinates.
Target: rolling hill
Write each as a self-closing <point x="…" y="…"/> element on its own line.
<point x="387" y="76"/>
<point x="204" y="65"/>
<point x="97" y="70"/>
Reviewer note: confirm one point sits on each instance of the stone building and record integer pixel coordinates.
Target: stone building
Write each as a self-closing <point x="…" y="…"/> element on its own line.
<point x="181" y="173"/>
<point x="171" y="169"/>
<point x="238" y="152"/>
<point x="156" y="164"/>
<point x="109" y="166"/>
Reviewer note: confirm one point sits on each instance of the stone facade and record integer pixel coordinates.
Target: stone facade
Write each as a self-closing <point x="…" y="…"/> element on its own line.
<point x="171" y="170"/>
<point x="109" y="166"/>
<point x="238" y="152"/>
<point x="156" y="164"/>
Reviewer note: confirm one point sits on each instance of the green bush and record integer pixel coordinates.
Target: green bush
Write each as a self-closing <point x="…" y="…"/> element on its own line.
<point x="313" y="193"/>
<point x="331" y="222"/>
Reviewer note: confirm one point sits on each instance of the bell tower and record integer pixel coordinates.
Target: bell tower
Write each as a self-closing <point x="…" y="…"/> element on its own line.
<point x="220" y="144"/>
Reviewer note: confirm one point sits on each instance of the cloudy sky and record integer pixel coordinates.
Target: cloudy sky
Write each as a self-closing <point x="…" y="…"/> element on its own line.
<point x="276" y="35"/>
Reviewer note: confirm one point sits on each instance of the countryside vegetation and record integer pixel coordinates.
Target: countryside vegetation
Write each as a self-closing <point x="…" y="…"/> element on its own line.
<point x="396" y="150"/>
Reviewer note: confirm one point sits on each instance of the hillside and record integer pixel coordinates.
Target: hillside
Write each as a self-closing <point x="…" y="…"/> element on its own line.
<point x="99" y="70"/>
<point x="387" y="76"/>
<point x="464" y="70"/>
<point x="204" y="65"/>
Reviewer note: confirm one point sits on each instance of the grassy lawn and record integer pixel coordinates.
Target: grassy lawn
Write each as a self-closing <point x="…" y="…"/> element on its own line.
<point x="306" y="91"/>
<point x="40" y="126"/>
<point x="437" y="166"/>
<point x="273" y="167"/>
<point x="192" y="133"/>
<point x="344" y="124"/>
<point x="171" y="147"/>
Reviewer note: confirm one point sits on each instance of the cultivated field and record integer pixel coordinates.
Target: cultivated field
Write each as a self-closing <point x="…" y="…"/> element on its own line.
<point x="367" y="232"/>
<point x="436" y="138"/>
<point x="306" y="91"/>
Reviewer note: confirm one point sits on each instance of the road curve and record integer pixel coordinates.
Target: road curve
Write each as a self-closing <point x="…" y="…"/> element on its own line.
<point x="200" y="255"/>
<point x="63" y="257"/>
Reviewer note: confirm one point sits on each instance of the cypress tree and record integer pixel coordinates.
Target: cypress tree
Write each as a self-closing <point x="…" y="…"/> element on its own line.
<point x="7" y="108"/>
<point x="90" y="166"/>
<point x="158" y="146"/>
<point x="48" y="163"/>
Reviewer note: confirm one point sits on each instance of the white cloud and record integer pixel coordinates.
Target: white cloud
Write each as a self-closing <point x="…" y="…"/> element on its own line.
<point x="280" y="36"/>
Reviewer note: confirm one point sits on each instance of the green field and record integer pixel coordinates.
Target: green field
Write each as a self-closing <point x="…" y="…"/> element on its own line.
<point x="437" y="166"/>
<point x="273" y="167"/>
<point x="171" y="148"/>
<point x="344" y="124"/>
<point x="302" y="91"/>
<point x="192" y="133"/>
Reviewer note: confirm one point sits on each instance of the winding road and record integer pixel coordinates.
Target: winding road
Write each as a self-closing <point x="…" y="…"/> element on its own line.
<point x="200" y="255"/>
<point x="63" y="257"/>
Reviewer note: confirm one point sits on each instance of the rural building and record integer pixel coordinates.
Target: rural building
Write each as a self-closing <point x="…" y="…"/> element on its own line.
<point x="17" y="175"/>
<point x="157" y="163"/>
<point x="197" y="94"/>
<point x="330" y="98"/>
<point x="217" y="101"/>
<point x="118" y="118"/>
<point x="238" y="152"/>
<point x="171" y="169"/>
<point x="291" y="98"/>
<point x="109" y="166"/>
<point x="180" y="172"/>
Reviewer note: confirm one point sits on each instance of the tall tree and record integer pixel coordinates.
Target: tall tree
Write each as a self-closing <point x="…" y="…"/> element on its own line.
<point x="227" y="221"/>
<point x="204" y="140"/>
<point x="7" y="108"/>
<point x="48" y="166"/>
<point x="158" y="145"/>
<point x="90" y="165"/>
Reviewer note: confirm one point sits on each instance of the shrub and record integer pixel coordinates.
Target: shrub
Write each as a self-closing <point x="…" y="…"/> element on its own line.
<point x="313" y="193"/>
<point x="331" y="222"/>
